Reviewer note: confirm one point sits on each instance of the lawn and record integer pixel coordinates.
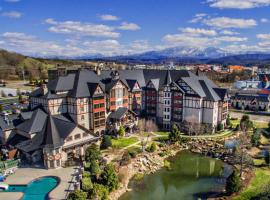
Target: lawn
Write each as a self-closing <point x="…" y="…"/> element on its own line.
<point x="262" y="177"/>
<point x="162" y="133"/>
<point x="257" y="124"/>
<point x="218" y="135"/>
<point x="123" y="142"/>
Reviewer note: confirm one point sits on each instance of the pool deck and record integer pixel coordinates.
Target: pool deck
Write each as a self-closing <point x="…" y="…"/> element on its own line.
<point x="23" y="176"/>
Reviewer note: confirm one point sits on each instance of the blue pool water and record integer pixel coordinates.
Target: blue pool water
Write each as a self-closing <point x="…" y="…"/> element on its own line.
<point x="37" y="189"/>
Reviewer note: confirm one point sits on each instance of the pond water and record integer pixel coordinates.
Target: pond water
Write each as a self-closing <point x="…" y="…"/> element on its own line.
<point x="191" y="177"/>
<point x="37" y="189"/>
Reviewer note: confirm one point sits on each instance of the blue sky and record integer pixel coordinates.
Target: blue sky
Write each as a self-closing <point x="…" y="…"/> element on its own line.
<point x="114" y="27"/>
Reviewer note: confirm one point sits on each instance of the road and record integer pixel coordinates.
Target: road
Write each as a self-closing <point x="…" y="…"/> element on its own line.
<point x="254" y="117"/>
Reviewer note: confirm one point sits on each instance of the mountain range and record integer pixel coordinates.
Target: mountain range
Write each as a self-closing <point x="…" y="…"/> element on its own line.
<point x="192" y="55"/>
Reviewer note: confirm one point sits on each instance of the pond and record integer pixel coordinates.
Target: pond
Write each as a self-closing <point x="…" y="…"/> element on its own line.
<point x="192" y="176"/>
<point x="37" y="189"/>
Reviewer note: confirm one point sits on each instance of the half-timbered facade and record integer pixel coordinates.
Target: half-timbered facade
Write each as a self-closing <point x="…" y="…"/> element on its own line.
<point x="73" y="110"/>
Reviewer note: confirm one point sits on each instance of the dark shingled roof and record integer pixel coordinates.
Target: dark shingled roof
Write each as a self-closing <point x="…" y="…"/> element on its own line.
<point x="26" y="115"/>
<point x="118" y="114"/>
<point x="9" y="123"/>
<point x="222" y="92"/>
<point x="84" y="82"/>
<point x="131" y="84"/>
<point x="52" y="136"/>
<point x="81" y="84"/>
<point x="250" y="97"/>
<point x="35" y="124"/>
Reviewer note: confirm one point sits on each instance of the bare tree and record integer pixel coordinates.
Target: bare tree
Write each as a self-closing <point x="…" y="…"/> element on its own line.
<point x="145" y="128"/>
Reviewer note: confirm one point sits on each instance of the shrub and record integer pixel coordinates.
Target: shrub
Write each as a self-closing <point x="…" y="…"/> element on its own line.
<point x="92" y="153"/>
<point x="121" y="131"/>
<point x="153" y="147"/>
<point x="132" y="153"/>
<point x="106" y="142"/>
<point x="109" y="177"/>
<point x="138" y="177"/>
<point x="255" y="138"/>
<point x="233" y="183"/>
<point x="87" y="184"/>
<point x="99" y="192"/>
<point x="86" y="174"/>
<point x="94" y="168"/>
<point x="238" y="128"/>
<point x="167" y="164"/>
<point x="220" y="127"/>
<point x="228" y="122"/>
<point x="77" y="195"/>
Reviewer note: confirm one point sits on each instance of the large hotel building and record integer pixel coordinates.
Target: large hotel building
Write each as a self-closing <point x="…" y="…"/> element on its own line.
<point x="75" y="109"/>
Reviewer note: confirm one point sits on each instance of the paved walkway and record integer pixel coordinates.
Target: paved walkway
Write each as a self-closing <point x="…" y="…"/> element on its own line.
<point x="26" y="175"/>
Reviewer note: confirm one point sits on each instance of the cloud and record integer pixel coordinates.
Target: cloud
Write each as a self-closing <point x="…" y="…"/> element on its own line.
<point x="264" y="20"/>
<point x="238" y="4"/>
<point x="232" y="39"/>
<point x="198" y="17"/>
<point x="12" y="1"/>
<point x="198" y="31"/>
<point x="82" y="29"/>
<point x="187" y="40"/>
<point x="50" y="21"/>
<point x="12" y="14"/>
<point x="226" y="22"/>
<point x="228" y="32"/>
<point x="263" y="36"/>
<point x="140" y="46"/>
<point x="33" y="46"/>
<point x="109" y="18"/>
<point x="129" y="26"/>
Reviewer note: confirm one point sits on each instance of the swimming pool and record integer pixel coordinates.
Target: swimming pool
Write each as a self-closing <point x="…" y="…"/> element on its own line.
<point x="37" y="189"/>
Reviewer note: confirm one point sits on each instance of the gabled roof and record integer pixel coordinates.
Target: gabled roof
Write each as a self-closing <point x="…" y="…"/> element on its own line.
<point x="222" y="93"/>
<point x="118" y="114"/>
<point x="81" y="84"/>
<point x="131" y="84"/>
<point x="63" y="83"/>
<point x="52" y="135"/>
<point x="35" y="124"/>
<point x="8" y="122"/>
<point x="26" y="115"/>
<point x="155" y="83"/>
<point x="168" y="79"/>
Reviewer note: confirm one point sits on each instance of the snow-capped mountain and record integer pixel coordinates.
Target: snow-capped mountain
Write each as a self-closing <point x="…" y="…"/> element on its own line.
<point x="186" y="52"/>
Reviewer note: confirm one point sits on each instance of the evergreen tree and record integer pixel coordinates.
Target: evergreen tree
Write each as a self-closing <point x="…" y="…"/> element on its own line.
<point x="92" y="153"/>
<point x="233" y="183"/>
<point x="109" y="177"/>
<point x="106" y="142"/>
<point x="175" y="134"/>
<point x="87" y="184"/>
<point x="255" y="138"/>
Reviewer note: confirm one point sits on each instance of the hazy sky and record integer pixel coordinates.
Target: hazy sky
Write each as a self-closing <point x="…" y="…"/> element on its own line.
<point x="112" y="27"/>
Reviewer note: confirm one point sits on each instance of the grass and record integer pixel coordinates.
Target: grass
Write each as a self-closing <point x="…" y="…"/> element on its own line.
<point x="257" y="124"/>
<point x="123" y="142"/>
<point x="162" y="133"/>
<point x="261" y="179"/>
<point x="221" y="134"/>
<point x="259" y="162"/>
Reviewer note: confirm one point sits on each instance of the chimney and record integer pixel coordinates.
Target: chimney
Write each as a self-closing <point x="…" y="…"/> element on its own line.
<point x="44" y="89"/>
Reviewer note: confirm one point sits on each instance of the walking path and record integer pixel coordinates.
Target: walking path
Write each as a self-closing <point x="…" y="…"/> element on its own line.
<point x="23" y="176"/>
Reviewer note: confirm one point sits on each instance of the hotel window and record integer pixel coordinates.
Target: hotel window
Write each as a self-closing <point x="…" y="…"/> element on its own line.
<point x="82" y="117"/>
<point x="69" y="139"/>
<point x="78" y="136"/>
<point x="85" y="134"/>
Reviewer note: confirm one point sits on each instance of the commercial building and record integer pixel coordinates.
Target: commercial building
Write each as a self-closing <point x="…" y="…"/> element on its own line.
<point x="74" y="110"/>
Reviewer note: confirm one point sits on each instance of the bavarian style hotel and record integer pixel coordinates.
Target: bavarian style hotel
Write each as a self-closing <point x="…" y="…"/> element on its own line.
<point x="76" y="108"/>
